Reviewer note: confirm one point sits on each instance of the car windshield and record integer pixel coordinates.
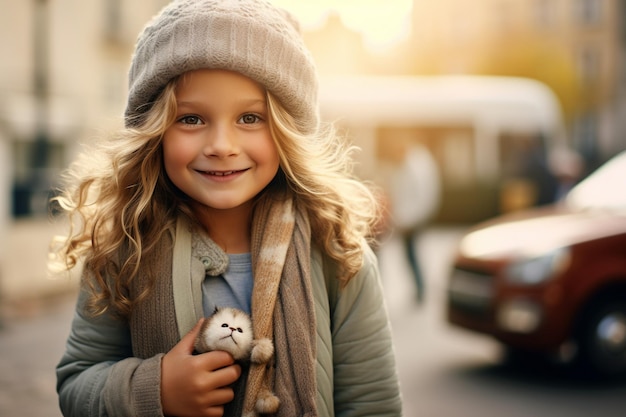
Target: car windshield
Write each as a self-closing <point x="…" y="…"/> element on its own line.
<point x="604" y="189"/>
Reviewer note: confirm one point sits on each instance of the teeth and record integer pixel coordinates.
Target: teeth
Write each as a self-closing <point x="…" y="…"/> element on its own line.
<point x="221" y="173"/>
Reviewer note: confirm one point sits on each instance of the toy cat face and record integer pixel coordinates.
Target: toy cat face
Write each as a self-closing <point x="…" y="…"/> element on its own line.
<point x="228" y="329"/>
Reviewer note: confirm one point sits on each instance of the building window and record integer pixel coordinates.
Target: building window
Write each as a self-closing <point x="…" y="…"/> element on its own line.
<point x="458" y="158"/>
<point x="589" y="65"/>
<point x="545" y="14"/>
<point x="36" y="170"/>
<point x="586" y="136"/>
<point x="588" y="12"/>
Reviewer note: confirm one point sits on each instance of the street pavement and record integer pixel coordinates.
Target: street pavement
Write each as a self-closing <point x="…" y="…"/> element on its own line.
<point x="30" y="347"/>
<point x="35" y="315"/>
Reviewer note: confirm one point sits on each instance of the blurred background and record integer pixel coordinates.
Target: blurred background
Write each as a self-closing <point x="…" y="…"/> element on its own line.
<point x="500" y="105"/>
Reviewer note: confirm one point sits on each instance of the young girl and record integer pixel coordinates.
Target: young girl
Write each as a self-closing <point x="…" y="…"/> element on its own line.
<point x="223" y="190"/>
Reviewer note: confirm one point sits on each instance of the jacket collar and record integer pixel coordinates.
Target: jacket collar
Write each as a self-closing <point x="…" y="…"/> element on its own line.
<point x="194" y="257"/>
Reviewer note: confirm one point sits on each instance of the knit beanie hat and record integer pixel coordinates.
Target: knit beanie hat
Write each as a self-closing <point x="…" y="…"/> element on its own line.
<point x="251" y="37"/>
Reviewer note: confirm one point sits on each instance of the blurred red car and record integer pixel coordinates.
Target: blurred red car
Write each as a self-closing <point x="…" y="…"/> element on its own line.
<point x="551" y="279"/>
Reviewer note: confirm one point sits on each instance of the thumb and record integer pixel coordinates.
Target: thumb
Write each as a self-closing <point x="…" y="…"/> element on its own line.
<point x="186" y="344"/>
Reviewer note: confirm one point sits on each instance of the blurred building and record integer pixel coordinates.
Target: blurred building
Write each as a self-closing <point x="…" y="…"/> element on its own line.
<point x="574" y="46"/>
<point x="64" y="67"/>
<point x="62" y="79"/>
<point x="338" y="50"/>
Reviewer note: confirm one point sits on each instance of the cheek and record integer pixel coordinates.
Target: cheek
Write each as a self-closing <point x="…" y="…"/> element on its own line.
<point x="274" y="162"/>
<point x="175" y="154"/>
<point x="268" y="155"/>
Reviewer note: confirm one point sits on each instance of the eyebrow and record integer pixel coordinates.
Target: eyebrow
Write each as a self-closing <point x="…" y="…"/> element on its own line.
<point x="243" y="102"/>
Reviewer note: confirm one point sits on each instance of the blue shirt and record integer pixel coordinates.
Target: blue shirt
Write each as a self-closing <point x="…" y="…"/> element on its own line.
<point x="231" y="289"/>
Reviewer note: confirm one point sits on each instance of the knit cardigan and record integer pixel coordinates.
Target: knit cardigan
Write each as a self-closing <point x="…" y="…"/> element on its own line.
<point x="101" y="375"/>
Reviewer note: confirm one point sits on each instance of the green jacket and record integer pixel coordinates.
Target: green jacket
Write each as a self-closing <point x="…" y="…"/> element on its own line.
<point x="356" y="373"/>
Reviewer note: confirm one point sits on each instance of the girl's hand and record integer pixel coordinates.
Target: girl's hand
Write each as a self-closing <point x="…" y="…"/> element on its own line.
<point x="196" y="385"/>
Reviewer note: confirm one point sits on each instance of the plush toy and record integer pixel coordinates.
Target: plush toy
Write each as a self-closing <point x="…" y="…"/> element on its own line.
<point x="230" y="330"/>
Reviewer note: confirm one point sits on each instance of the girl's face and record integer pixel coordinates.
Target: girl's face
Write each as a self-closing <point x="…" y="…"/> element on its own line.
<point x="219" y="151"/>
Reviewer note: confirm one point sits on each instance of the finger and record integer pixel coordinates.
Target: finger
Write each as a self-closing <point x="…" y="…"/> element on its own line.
<point x="219" y="397"/>
<point x="229" y="374"/>
<point x="215" y="411"/>
<point x="185" y="345"/>
<point x="222" y="378"/>
<point x="215" y="360"/>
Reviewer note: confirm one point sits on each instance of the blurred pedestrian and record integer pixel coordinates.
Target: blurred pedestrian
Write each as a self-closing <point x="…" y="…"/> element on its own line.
<point x="415" y="193"/>
<point x="223" y="190"/>
<point x="568" y="168"/>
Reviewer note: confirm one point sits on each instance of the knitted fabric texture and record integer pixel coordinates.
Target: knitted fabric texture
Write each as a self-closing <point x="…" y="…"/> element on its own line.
<point x="283" y="309"/>
<point x="250" y="37"/>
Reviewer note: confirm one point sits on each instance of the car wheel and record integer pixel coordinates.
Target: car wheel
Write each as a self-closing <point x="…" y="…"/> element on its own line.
<point x="602" y="340"/>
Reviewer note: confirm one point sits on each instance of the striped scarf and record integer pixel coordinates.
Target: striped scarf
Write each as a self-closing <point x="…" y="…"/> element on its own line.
<point x="283" y="308"/>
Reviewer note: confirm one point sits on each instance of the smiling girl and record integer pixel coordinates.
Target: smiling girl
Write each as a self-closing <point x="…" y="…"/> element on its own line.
<point x="223" y="190"/>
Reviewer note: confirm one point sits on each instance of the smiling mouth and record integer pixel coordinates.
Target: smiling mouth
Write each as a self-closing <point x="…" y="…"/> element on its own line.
<point x="222" y="173"/>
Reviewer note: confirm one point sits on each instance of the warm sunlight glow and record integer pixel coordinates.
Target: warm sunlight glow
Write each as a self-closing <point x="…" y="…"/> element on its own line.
<point x="382" y="22"/>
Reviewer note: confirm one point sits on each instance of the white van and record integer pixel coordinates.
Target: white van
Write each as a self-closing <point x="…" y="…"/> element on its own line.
<point x="490" y="136"/>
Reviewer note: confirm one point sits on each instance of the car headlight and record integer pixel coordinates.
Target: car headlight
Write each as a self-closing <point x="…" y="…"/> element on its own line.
<point x="537" y="270"/>
<point x="519" y="316"/>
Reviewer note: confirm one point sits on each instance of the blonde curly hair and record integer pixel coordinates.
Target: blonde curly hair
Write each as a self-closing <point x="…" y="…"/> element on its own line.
<point x="120" y="201"/>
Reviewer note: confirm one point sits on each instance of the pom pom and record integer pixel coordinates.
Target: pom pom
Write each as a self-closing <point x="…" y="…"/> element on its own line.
<point x="267" y="403"/>
<point x="262" y="351"/>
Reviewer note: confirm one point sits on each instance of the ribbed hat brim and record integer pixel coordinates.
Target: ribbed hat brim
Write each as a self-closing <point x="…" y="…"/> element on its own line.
<point x="251" y="37"/>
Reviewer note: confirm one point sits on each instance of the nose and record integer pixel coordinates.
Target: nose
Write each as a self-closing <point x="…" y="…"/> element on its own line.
<point x="221" y="142"/>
